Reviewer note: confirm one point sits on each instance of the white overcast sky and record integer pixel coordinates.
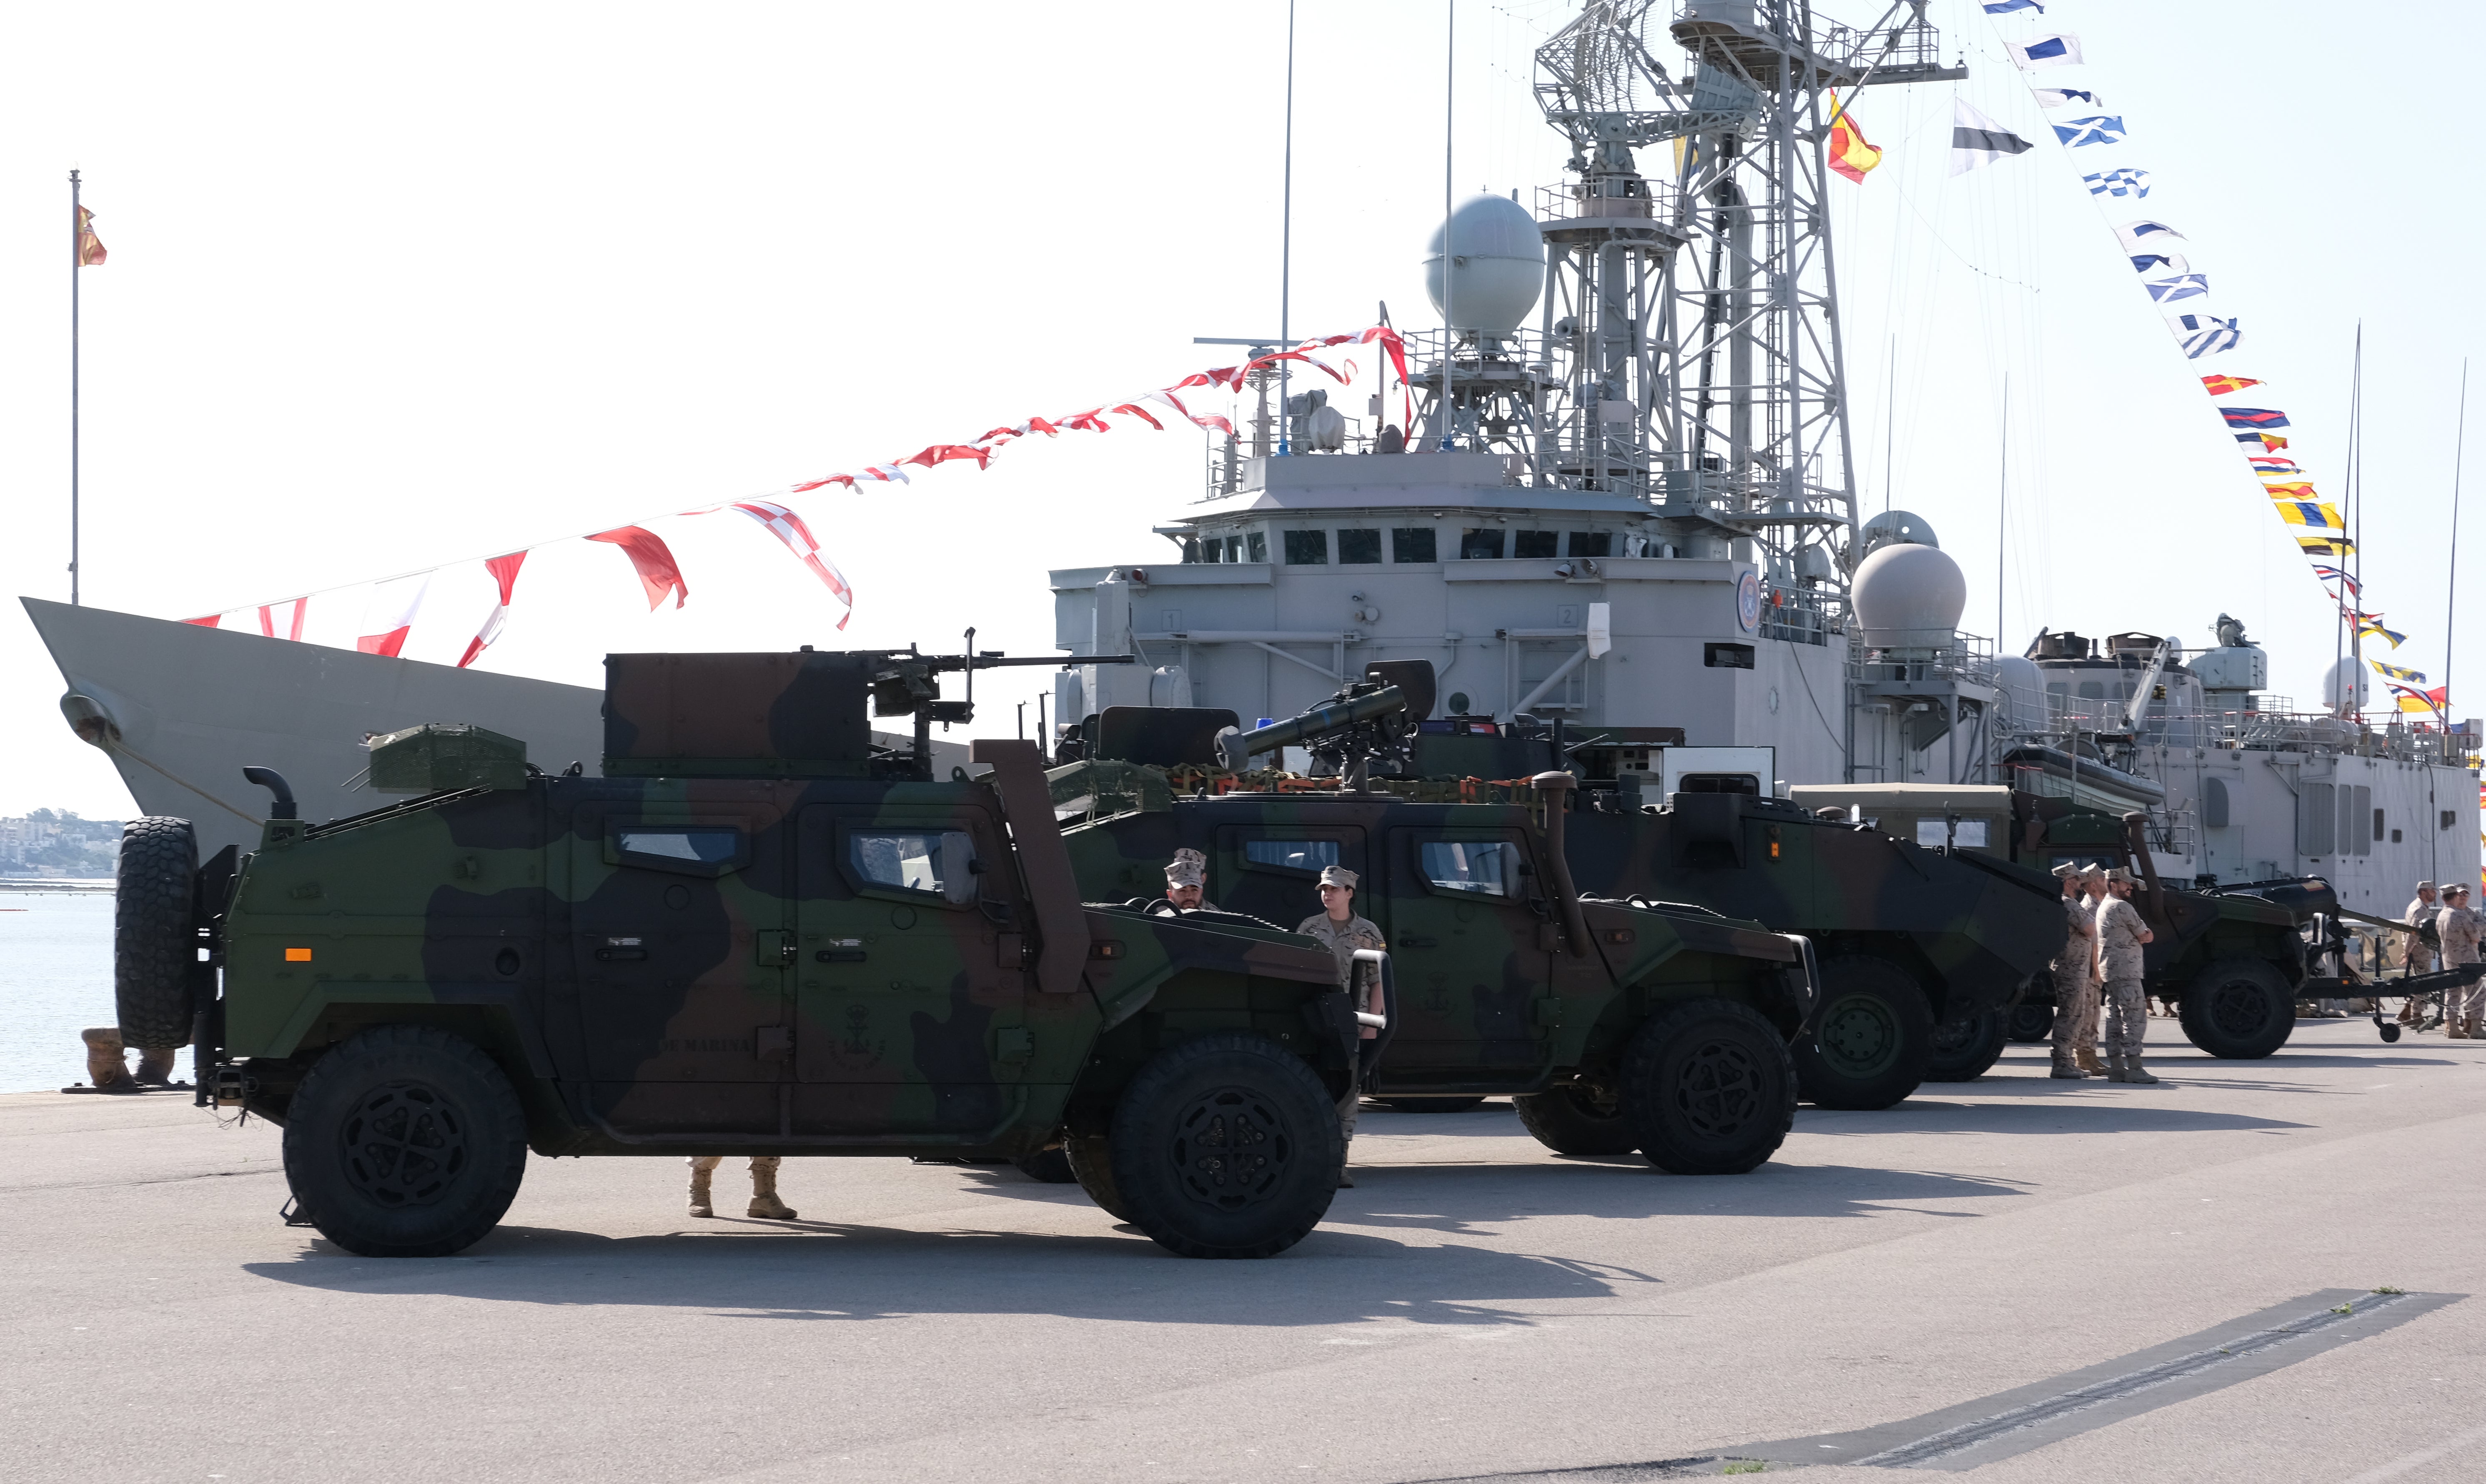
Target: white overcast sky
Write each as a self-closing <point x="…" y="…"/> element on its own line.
<point x="393" y="288"/>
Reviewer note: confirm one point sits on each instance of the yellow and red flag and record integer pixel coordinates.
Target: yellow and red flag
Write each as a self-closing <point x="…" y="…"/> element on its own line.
<point x="2228" y="386"/>
<point x="90" y="247"/>
<point x="1849" y="153"/>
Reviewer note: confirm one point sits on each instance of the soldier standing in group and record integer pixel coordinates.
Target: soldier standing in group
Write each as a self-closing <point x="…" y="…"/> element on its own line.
<point x="2120" y="934"/>
<point x="1187" y="881"/>
<point x="1337" y="926"/>
<point x="2460" y="928"/>
<point x="765" y="1204"/>
<point x="2085" y="1035"/>
<point x="2421" y="957"/>
<point x="2075" y="991"/>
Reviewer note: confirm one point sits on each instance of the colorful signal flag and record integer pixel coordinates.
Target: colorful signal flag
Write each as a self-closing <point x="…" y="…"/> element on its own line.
<point x="2228" y="386"/>
<point x="1849" y="153"/>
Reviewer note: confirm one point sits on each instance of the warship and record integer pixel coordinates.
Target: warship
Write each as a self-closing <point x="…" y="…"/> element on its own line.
<point x="1623" y="503"/>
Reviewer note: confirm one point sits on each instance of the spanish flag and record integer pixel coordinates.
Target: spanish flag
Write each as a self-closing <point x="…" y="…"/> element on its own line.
<point x="1849" y="154"/>
<point x="2228" y="386"/>
<point x="90" y="247"/>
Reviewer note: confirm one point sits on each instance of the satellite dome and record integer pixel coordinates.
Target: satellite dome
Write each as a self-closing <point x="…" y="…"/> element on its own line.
<point x="1908" y="596"/>
<point x="1897" y="528"/>
<point x="2347" y="684"/>
<point x="1497" y="265"/>
<point x="2023" y="690"/>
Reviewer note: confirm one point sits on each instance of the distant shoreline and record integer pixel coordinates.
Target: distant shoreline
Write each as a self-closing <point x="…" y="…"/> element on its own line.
<point x="56" y="884"/>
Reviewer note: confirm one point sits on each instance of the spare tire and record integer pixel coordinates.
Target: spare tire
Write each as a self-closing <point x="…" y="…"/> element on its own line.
<point x="155" y="939"/>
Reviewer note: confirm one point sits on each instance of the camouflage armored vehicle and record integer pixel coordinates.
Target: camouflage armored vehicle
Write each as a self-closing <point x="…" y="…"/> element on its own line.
<point x="757" y="934"/>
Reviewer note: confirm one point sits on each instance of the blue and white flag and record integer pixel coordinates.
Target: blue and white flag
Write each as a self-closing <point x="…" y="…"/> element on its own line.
<point x="2118" y="183"/>
<point x="2183" y="286"/>
<point x="2097" y="129"/>
<point x="2064" y="97"/>
<point x="2006" y="7"/>
<point x="2062" y="51"/>
<point x="2172" y="263"/>
<point x="1976" y="140"/>
<point x="2200" y="335"/>
<point x="2143" y="235"/>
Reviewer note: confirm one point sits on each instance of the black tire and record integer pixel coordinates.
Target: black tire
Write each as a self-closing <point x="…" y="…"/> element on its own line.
<point x="1966" y="1050"/>
<point x="405" y="1141"/>
<point x="2033" y="1023"/>
<point x="1433" y="1105"/>
<point x="1709" y="1088"/>
<point x="1048" y="1167"/>
<point x="1577" y="1118"/>
<point x="2238" y="1008"/>
<point x="154" y="941"/>
<point x="1227" y="1145"/>
<point x="1092" y="1164"/>
<point x="1872" y="1038"/>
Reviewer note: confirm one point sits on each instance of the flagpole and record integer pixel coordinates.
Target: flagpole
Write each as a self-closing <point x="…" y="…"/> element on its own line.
<point x="2002" y="510"/>
<point x="2451" y="580"/>
<point x="2357" y="530"/>
<point x="77" y="255"/>
<point x="1286" y="241"/>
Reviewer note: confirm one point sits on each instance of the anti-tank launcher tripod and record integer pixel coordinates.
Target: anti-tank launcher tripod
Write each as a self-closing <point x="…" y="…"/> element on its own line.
<point x="1371" y="720"/>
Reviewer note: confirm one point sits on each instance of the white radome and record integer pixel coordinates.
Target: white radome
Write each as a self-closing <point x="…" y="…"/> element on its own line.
<point x="1498" y="266"/>
<point x="1908" y="597"/>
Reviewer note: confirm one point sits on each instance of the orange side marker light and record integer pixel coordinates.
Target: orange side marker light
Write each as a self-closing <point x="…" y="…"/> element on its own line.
<point x="297" y="955"/>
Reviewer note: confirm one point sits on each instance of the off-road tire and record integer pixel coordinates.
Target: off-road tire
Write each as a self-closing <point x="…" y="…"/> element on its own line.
<point x="1226" y="1146"/>
<point x="2238" y="1008"/>
<point x="2033" y="1023"/>
<point x="1047" y="1167"/>
<point x="1966" y="1050"/>
<point x="1433" y="1105"/>
<point x="154" y="941"/>
<point x="1092" y="1164"/>
<point x="405" y="1142"/>
<point x="1578" y="1120"/>
<point x="1871" y="1040"/>
<point x="1709" y="1088"/>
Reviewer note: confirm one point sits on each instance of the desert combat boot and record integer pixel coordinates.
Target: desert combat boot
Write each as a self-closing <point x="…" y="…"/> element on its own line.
<point x="2067" y="1068"/>
<point x="765" y="1204"/>
<point x="2135" y="1072"/>
<point x="701" y="1205"/>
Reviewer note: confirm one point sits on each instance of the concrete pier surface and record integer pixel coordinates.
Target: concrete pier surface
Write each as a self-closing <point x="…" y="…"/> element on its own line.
<point x="2016" y="1278"/>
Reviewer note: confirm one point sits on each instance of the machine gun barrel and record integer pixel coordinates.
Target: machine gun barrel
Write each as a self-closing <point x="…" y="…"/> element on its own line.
<point x="1235" y="749"/>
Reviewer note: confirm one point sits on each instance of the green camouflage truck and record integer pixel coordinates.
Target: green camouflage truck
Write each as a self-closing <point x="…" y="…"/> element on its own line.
<point x="757" y="934"/>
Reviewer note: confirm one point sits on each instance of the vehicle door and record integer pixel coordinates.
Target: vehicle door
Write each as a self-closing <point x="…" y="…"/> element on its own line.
<point x="1472" y="945"/>
<point x="911" y="1000"/>
<point x="679" y="933"/>
<point x="1273" y="872"/>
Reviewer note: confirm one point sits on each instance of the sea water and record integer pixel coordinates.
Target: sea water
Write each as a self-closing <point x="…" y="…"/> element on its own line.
<point x="55" y="981"/>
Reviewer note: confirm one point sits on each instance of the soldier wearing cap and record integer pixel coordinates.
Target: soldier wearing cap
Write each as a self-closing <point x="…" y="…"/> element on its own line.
<point x="2460" y="930"/>
<point x="2075" y="992"/>
<point x="2421" y="955"/>
<point x="1337" y="926"/>
<point x="2120" y="934"/>
<point x="1187" y="881"/>
<point x="2084" y="1033"/>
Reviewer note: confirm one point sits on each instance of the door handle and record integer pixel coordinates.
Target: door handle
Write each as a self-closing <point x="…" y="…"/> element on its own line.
<point x="773" y="947"/>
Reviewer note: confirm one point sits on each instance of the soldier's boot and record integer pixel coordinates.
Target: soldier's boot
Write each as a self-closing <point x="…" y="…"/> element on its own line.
<point x="2088" y="1061"/>
<point x="701" y="1204"/>
<point x="2113" y="1067"/>
<point x="155" y="1066"/>
<point x="106" y="1071"/>
<point x="2067" y="1068"/>
<point x="2135" y="1072"/>
<point x="2455" y="1029"/>
<point x="765" y="1204"/>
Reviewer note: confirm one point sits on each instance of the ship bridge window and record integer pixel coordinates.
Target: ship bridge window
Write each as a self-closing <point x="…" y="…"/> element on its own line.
<point x="1307" y="548"/>
<point x="1479" y="545"/>
<point x="2093" y="690"/>
<point x="1256" y="546"/>
<point x="1537" y="543"/>
<point x="1357" y="548"/>
<point x="1591" y="543"/>
<point x="1412" y="544"/>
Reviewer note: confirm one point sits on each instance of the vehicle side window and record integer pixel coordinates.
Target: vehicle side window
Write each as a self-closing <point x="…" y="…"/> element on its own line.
<point x="936" y="862"/>
<point x="698" y="850"/>
<point x="1463" y="867"/>
<point x="1291" y="857"/>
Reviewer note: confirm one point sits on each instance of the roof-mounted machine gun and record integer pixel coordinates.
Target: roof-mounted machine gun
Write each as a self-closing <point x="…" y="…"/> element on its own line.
<point x="1371" y="720"/>
<point x="906" y="683"/>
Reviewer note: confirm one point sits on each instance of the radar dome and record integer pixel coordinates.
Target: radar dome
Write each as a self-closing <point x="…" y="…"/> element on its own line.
<point x="1908" y="596"/>
<point x="1497" y="265"/>
<point x="2023" y="690"/>
<point x="2347" y="685"/>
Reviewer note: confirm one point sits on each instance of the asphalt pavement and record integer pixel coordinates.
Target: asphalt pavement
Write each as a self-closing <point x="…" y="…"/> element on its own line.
<point x="2015" y="1279"/>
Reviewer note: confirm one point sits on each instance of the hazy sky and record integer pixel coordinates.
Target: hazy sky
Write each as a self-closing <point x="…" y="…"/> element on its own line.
<point x="391" y="288"/>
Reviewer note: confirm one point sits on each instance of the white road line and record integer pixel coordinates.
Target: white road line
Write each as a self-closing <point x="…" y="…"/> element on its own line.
<point x="2422" y="1457"/>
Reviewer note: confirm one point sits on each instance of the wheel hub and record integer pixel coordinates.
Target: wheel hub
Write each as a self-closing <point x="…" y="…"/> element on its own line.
<point x="2239" y="1007"/>
<point x="1859" y="1037"/>
<point x="403" y="1145"/>
<point x="1721" y="1090"/>
<point x="1230" y="1148"/>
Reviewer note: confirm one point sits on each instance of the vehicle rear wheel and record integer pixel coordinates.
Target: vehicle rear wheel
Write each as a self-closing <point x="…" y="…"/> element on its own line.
<point x="1872" y="1038"/>
<point x="1709" y="1088"/>
<point x="1433" y="1105"/>
<point x="1965" y="1049"/>
<point x="1577" y="1118"/>
<point x="1092" y="1164"/>
<point x="405" y="1141"/>
<point x="1047" y="1167"/>
<point x="1227" y="1145"/>
<point x="154" y="943"/>
<point x="2033" y="1024"/>
<point x="2238" y="1008"/>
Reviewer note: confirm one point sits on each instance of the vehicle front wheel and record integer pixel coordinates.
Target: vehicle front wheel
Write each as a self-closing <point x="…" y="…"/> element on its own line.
<point x="2033" y="1022"/>
<point x="1871" y="1039"/>
<point x="1577" y="1118"/>
<point x="1966" y="1049"/>
<point x="405" y="1141"/>
<point x="1226" y="1146"/>
<point x="1047" y="1167"/>
<point x="1092" y="1164"/>
<point x="2238" y="1008"/>
<point x="1709" y="1088"/>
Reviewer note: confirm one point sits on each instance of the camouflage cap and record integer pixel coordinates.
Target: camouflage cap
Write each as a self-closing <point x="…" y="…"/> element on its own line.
<point x="2118" y="873"/>
<point x="1338" y="876"/>
<point x="1188" y="868"/>
<point x="2068" y="869"/>
<point x="2425" y="886"/>
<point x="2456" y="889"/>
